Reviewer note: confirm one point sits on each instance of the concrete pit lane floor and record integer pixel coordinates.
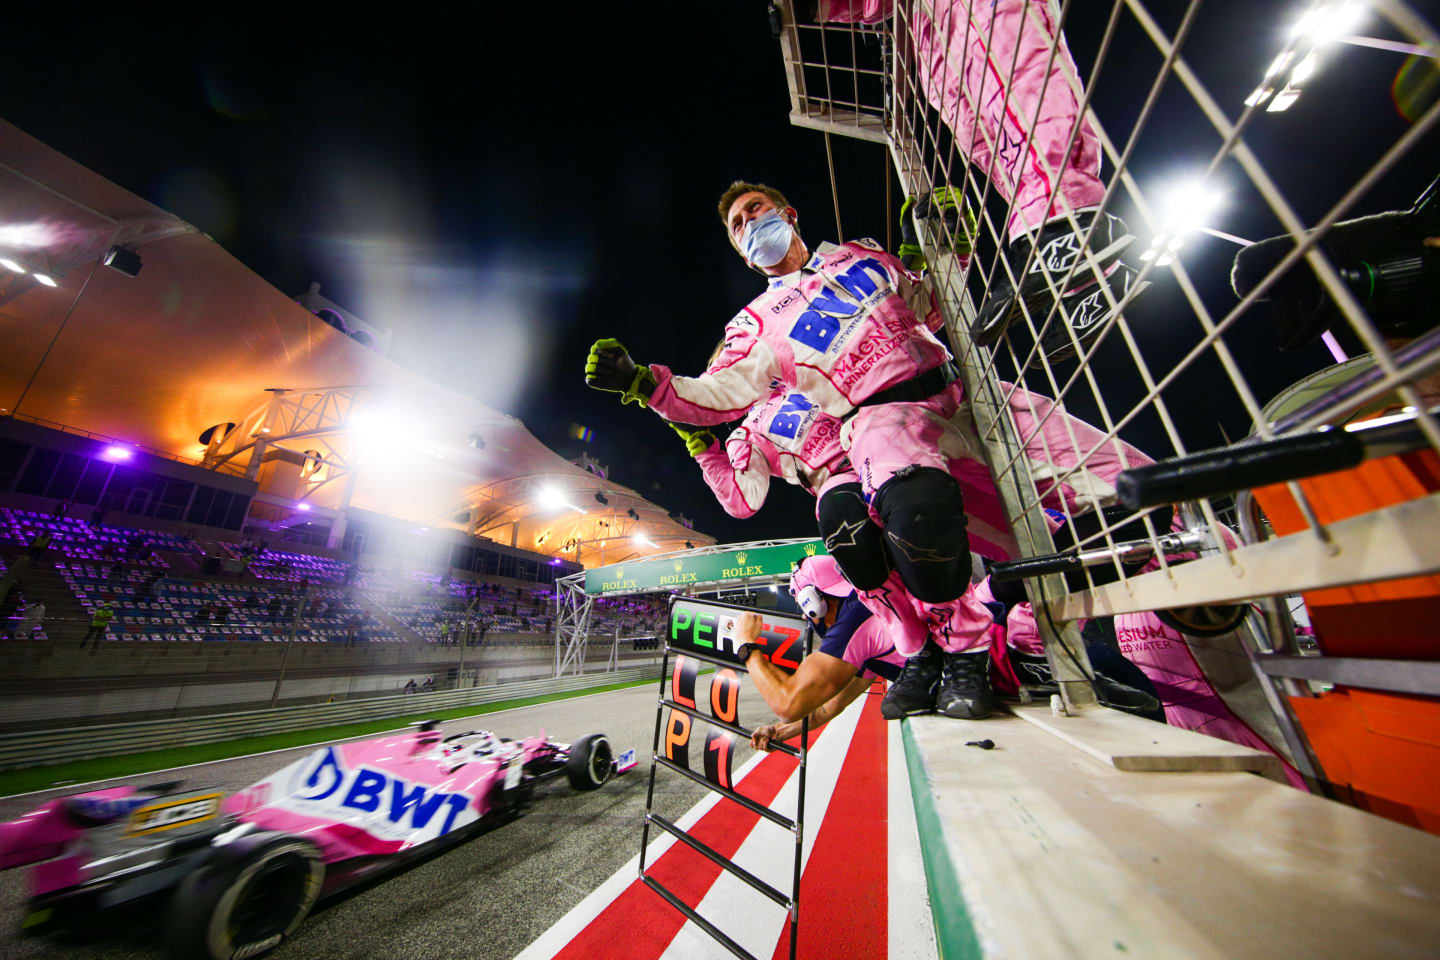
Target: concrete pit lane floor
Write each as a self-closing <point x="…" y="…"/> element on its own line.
<point x="486" y="898"/>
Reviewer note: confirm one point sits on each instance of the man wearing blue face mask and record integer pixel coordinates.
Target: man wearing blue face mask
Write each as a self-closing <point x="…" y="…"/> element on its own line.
<point x="839" y="325"/>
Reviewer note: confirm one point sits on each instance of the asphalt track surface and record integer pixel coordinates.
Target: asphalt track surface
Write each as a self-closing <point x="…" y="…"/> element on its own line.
<point x="486" y="898"/>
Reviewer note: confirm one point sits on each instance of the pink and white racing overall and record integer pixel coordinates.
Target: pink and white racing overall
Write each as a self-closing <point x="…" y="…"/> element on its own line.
<point x="839" y="330"/>
<point x="963" y="53"/>
<point x="1074" y="466"/>
<point x="787" y="437"/>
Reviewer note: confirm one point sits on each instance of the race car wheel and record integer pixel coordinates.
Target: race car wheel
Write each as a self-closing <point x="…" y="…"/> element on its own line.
<point x="249" y="897"/>
<point x="1205" y="621"/>
<point x="591" y="762"/>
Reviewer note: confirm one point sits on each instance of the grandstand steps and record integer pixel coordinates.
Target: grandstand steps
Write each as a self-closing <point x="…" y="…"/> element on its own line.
<point x="65" y="619"/>
<point x="399" y="629"/>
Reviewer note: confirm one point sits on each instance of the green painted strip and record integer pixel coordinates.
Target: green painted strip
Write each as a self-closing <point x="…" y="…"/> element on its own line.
<point x="954" y="929"/>
<point x="104" y="768"/>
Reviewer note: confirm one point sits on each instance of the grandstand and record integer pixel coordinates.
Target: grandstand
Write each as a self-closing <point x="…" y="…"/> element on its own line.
<point x="191" y="502"/>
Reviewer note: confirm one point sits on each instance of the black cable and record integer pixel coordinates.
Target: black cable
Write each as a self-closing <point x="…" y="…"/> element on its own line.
<point x="46" y="355"/>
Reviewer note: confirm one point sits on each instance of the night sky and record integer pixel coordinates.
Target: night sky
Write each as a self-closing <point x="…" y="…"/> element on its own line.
<point x="557" y="170"/>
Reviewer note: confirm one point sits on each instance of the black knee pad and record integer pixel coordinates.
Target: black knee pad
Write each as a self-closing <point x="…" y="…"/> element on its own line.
<point x="923" y="515"/>
<point x="851" y="537"/>
<point x="1089" y="524"/>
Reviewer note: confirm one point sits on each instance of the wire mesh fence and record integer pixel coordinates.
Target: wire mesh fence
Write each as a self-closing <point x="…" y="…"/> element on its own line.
<point x="1089" y="282"/>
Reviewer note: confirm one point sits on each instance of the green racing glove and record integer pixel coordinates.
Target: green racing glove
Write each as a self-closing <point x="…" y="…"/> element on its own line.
<point x="957" y="223"/>
<point x="697" y="439"/>
<point x="610" y="368"/>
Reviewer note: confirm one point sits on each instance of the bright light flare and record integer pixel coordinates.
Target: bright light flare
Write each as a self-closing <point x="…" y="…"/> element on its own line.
<point x="11" y="265"/>
<point x="117" y="453"/>
<point x="1328" y="22"/>
<point x="375" y="428"/>
<point x="1187" y="207"/>
<point x="1322" y="24"/>
<point x="553" y="498"/>
<point x="45" y="278"/>
<point x="302" y="506"/>
<point x="28" y="236"/>
<point x="640" y="540"/>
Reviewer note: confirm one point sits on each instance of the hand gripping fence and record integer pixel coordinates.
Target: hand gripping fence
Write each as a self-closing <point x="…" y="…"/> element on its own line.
<point x="703" y="633"/>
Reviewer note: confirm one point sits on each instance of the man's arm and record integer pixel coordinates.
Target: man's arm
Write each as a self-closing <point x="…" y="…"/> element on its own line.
<point x="762" y="737"/>
<point x="819" y="677"/>
<point x="739" y="377"/>
<point x="737" y="473"/>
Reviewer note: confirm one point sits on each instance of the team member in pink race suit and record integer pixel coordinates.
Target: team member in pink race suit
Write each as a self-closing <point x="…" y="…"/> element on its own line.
<point x="836" y="327"/>
<point x="786" y="436"/>
<point x="961" y="52"/>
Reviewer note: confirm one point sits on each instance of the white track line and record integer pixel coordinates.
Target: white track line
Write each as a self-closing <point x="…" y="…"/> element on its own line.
<point x="568" y="927"/>
<point x="911" y="927"/>
<point x="303" y="746"/>
<point x="755" y="922"/>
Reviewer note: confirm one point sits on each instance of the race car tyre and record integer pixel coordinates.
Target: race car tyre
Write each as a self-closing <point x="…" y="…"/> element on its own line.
<point x="1205" y="621"/>
<point x="246" y="899"/>
<point x="591" y="762"/>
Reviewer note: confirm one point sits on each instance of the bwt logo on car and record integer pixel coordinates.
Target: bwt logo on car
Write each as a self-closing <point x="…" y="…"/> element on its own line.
<point x="367" y="790"/>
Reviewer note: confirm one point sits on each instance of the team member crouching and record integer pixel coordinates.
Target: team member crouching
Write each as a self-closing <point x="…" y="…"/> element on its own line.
<point x="949" y="674"/>
<point x="854" y="652"/>
<point x="1019" y="663"/>
<point x="789" y="437"/>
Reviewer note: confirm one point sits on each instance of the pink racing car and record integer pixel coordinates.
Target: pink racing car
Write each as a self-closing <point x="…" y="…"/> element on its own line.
<point x="239" y="873"/>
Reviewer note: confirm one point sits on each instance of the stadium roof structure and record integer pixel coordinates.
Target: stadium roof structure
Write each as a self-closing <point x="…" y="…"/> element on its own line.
<point x="198" y="341"/>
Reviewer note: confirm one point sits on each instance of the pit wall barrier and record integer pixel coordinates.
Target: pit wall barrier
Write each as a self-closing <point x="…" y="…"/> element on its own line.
<point x="47" y="747"/>
<point x="44" y="685"/>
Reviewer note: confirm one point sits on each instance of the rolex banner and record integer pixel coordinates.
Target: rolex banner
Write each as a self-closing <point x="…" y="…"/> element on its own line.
<point x="680" y="572"/>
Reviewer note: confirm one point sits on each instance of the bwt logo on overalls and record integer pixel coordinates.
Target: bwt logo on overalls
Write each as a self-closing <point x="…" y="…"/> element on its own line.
<point x="816" y="328"/>
<point x="374" y="791"/>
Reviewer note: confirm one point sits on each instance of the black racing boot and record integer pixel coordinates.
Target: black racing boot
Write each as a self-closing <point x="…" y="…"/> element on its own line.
<point x="1121" y="696"/>
<point x="965" y="686"/>
<point x="1033" y="671"/>
<point x="1035" y="677"/>
<point x="1083" y="302"/>
<point x="914" y="690"/>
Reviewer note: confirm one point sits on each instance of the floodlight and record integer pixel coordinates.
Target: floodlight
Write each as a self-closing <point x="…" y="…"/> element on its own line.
<point x="121" y="260"/>
<point x="45" y="278"/>
<point x="1329" y="21"/>
<point x="1186" y="208"/>
<point x="600" y="498"/>
<point x="689" y="545"/>
<point x="28" y="235"/>
<point x="551" y="498"/>
<point x="1283" y="99"/>
<point x="640" y="540"/>
<point x="633" y="514"/>
<point x="302" y="506"/>
<point x="11" y="265"/>
<point x="117" y="452"/>
<point x="476" y="441"/>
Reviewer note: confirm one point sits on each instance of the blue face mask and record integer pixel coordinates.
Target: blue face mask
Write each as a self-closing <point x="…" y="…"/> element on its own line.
<point x="766" y="239"/>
